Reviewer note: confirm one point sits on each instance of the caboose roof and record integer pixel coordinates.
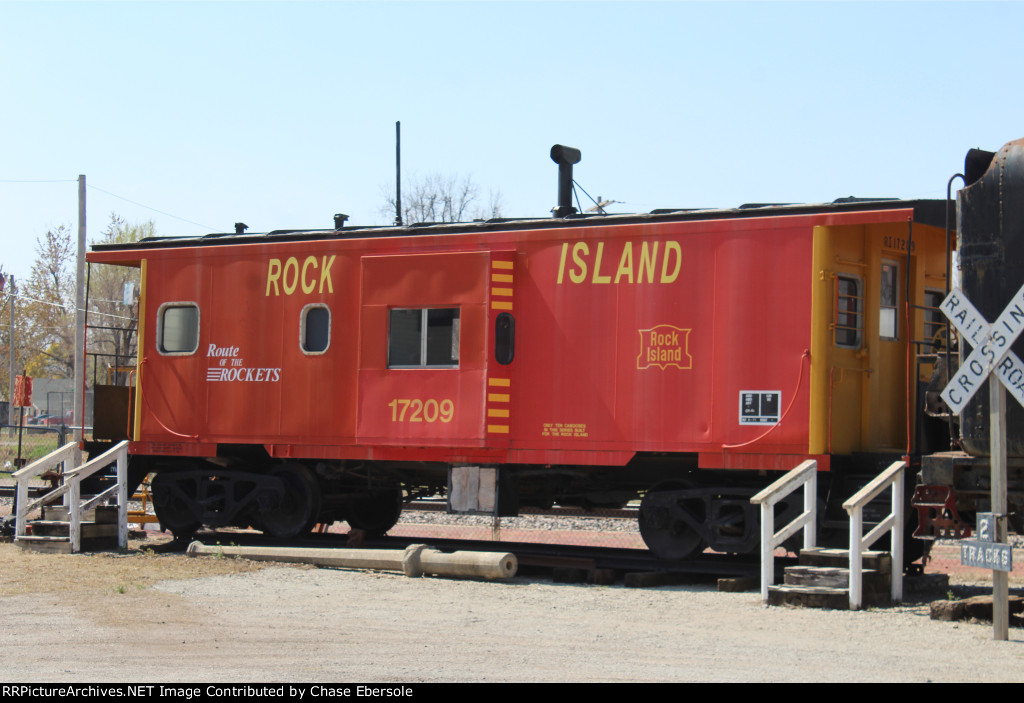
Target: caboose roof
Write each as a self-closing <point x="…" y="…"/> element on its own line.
<point x="929" y="212"/>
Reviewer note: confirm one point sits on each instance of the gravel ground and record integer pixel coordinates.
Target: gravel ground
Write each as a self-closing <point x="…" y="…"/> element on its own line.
<point x="167" y="618"/>
<point x="320" y="625"/>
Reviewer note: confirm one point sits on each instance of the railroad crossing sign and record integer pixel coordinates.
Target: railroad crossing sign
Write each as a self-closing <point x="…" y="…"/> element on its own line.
<point x="991" y="348"/>
<point x="991" y="355"/>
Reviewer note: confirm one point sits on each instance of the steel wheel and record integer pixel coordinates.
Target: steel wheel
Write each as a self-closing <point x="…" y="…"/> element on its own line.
<point x="173" y="502"/>
<point x="375" y="512"/>
<point x="296" y="511"/>
<point x="666" y="521"/>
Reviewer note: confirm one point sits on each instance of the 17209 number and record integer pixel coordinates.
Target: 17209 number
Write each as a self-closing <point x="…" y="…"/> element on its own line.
<point x="416" y="410"/>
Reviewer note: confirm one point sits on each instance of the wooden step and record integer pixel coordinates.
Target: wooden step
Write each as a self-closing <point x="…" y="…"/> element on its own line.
<point x="825" y="576"/>
<point x="875" y="586"/>
<point x="51" y="545"/>
<point x="819" y="556"/>
<point x="824" y="597"/>
<point x="103" y="514"/>
<point x="60" y="528"/>
<point x="62" y="545"/>
<point x="810" y="597"/>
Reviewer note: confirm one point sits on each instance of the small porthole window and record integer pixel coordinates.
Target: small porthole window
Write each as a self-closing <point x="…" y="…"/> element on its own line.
<point x="504" y="338"/>
<point x="178" y="328"/>
<point x="315" y="331"/>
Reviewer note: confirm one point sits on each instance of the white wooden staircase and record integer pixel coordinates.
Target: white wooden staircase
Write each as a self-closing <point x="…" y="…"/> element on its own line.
<point x="822" y="580"/>
<point x="71" y="522"/>
<point x="834" y="578"/>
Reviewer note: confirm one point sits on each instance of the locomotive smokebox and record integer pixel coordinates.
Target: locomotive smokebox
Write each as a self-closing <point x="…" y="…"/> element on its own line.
<point x="565" y="157"/>
<point x="990" y="233"/>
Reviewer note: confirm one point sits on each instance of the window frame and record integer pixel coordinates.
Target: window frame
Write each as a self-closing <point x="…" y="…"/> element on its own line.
<point x="858" y="313"/>
<point x="934" y="328"/>
<point x="161" y="324"/>
<point x="303" y="327"/>
<point x="894" y="306"/>
<point x="456" y="337"/>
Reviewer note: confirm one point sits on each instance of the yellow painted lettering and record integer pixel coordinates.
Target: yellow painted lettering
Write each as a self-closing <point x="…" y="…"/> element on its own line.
<point x="598" y="278"/>
<point x="292" y="266"/>
<point x="647" y="259"/>
<point x="325" y="274"/>
<point x="273" y="274"/>
<point x="625" y="263"/>
<point x="561" y="261"/>
<point x="308" y="286"/>
<point x="667" y="277"/>
<point x="579" y="249"/>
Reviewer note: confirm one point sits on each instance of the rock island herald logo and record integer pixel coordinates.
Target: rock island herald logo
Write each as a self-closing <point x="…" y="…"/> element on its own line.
<point x="664" y="346"/>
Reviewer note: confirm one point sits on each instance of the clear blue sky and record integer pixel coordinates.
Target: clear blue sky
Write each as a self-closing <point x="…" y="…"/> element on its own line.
<point x="280" y="114"/>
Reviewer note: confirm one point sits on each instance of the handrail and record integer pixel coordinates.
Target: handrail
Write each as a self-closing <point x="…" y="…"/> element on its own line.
<point x="70" y="491"/>
<point x="806" y="475"/>
<point x="65" y="457"/>
<point x="893" y="522"/>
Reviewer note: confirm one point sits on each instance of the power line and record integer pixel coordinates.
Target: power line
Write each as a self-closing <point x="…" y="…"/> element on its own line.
<point x="127" y="200"/>
<point x="113" y="195"/>
<point x="23" y="180"/>
<point x="69" y="308"/>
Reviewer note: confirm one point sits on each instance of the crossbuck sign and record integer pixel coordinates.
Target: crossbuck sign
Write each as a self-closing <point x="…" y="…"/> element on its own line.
<point x="991" y="348"/>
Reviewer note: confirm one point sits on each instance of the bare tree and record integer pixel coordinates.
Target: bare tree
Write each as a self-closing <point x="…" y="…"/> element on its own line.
<point x="44" y="333"/>
<point x="440" y="198"/>
<point x="113" y="313"/>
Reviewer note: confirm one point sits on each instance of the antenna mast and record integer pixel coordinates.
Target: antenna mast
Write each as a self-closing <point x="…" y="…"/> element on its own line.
<point x="398" y="174"/>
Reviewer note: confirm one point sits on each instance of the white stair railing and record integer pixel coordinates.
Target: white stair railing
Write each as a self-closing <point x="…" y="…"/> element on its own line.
<point x="64" y="458"/>
<point x="806" y="475"/>
<point x="71" y="490"/>
<point x="893" y="523"/>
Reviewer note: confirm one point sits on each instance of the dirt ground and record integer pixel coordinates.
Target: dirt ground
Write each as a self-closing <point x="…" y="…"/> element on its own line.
<point x="145" y="617"/>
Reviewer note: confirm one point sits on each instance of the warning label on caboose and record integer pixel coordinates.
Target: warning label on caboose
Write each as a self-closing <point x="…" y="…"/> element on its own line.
<point x="760" y="407"/>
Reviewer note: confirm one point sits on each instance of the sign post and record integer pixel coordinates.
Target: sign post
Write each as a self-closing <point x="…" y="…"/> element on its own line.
<point x="22" y="399"/>
<point x="990" y="359"/>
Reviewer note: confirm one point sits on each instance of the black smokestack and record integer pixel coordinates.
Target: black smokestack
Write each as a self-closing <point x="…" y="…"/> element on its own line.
<point x="565" y="157"/>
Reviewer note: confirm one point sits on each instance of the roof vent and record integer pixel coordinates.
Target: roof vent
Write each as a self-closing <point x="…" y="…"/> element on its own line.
<point x="565" y="157"/>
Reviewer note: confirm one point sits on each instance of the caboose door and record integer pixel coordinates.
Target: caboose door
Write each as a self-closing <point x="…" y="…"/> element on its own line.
<point x="427" y="323"/>
<point x="888" y="385"/>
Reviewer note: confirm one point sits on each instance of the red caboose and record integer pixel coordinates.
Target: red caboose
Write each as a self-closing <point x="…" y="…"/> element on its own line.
<point x="291" y="378"/>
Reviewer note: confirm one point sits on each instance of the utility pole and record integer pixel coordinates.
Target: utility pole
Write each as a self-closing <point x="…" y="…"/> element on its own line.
<point x="10" y="344"/>
<point x="600" y="205"/>
<point x="79" y="387"/>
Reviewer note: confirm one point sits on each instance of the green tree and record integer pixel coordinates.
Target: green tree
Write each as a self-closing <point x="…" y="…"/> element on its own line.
<point x="45" y="319"/>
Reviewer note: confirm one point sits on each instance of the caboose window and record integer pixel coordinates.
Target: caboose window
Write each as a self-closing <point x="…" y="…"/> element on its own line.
<point x="887" y="317"/>
<point x="934" y="320"/>
<point x="315" y="331"/>
<point x="849" y="323"/>
<point x="178" y="331"/>
<point x="423" y="337"/>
